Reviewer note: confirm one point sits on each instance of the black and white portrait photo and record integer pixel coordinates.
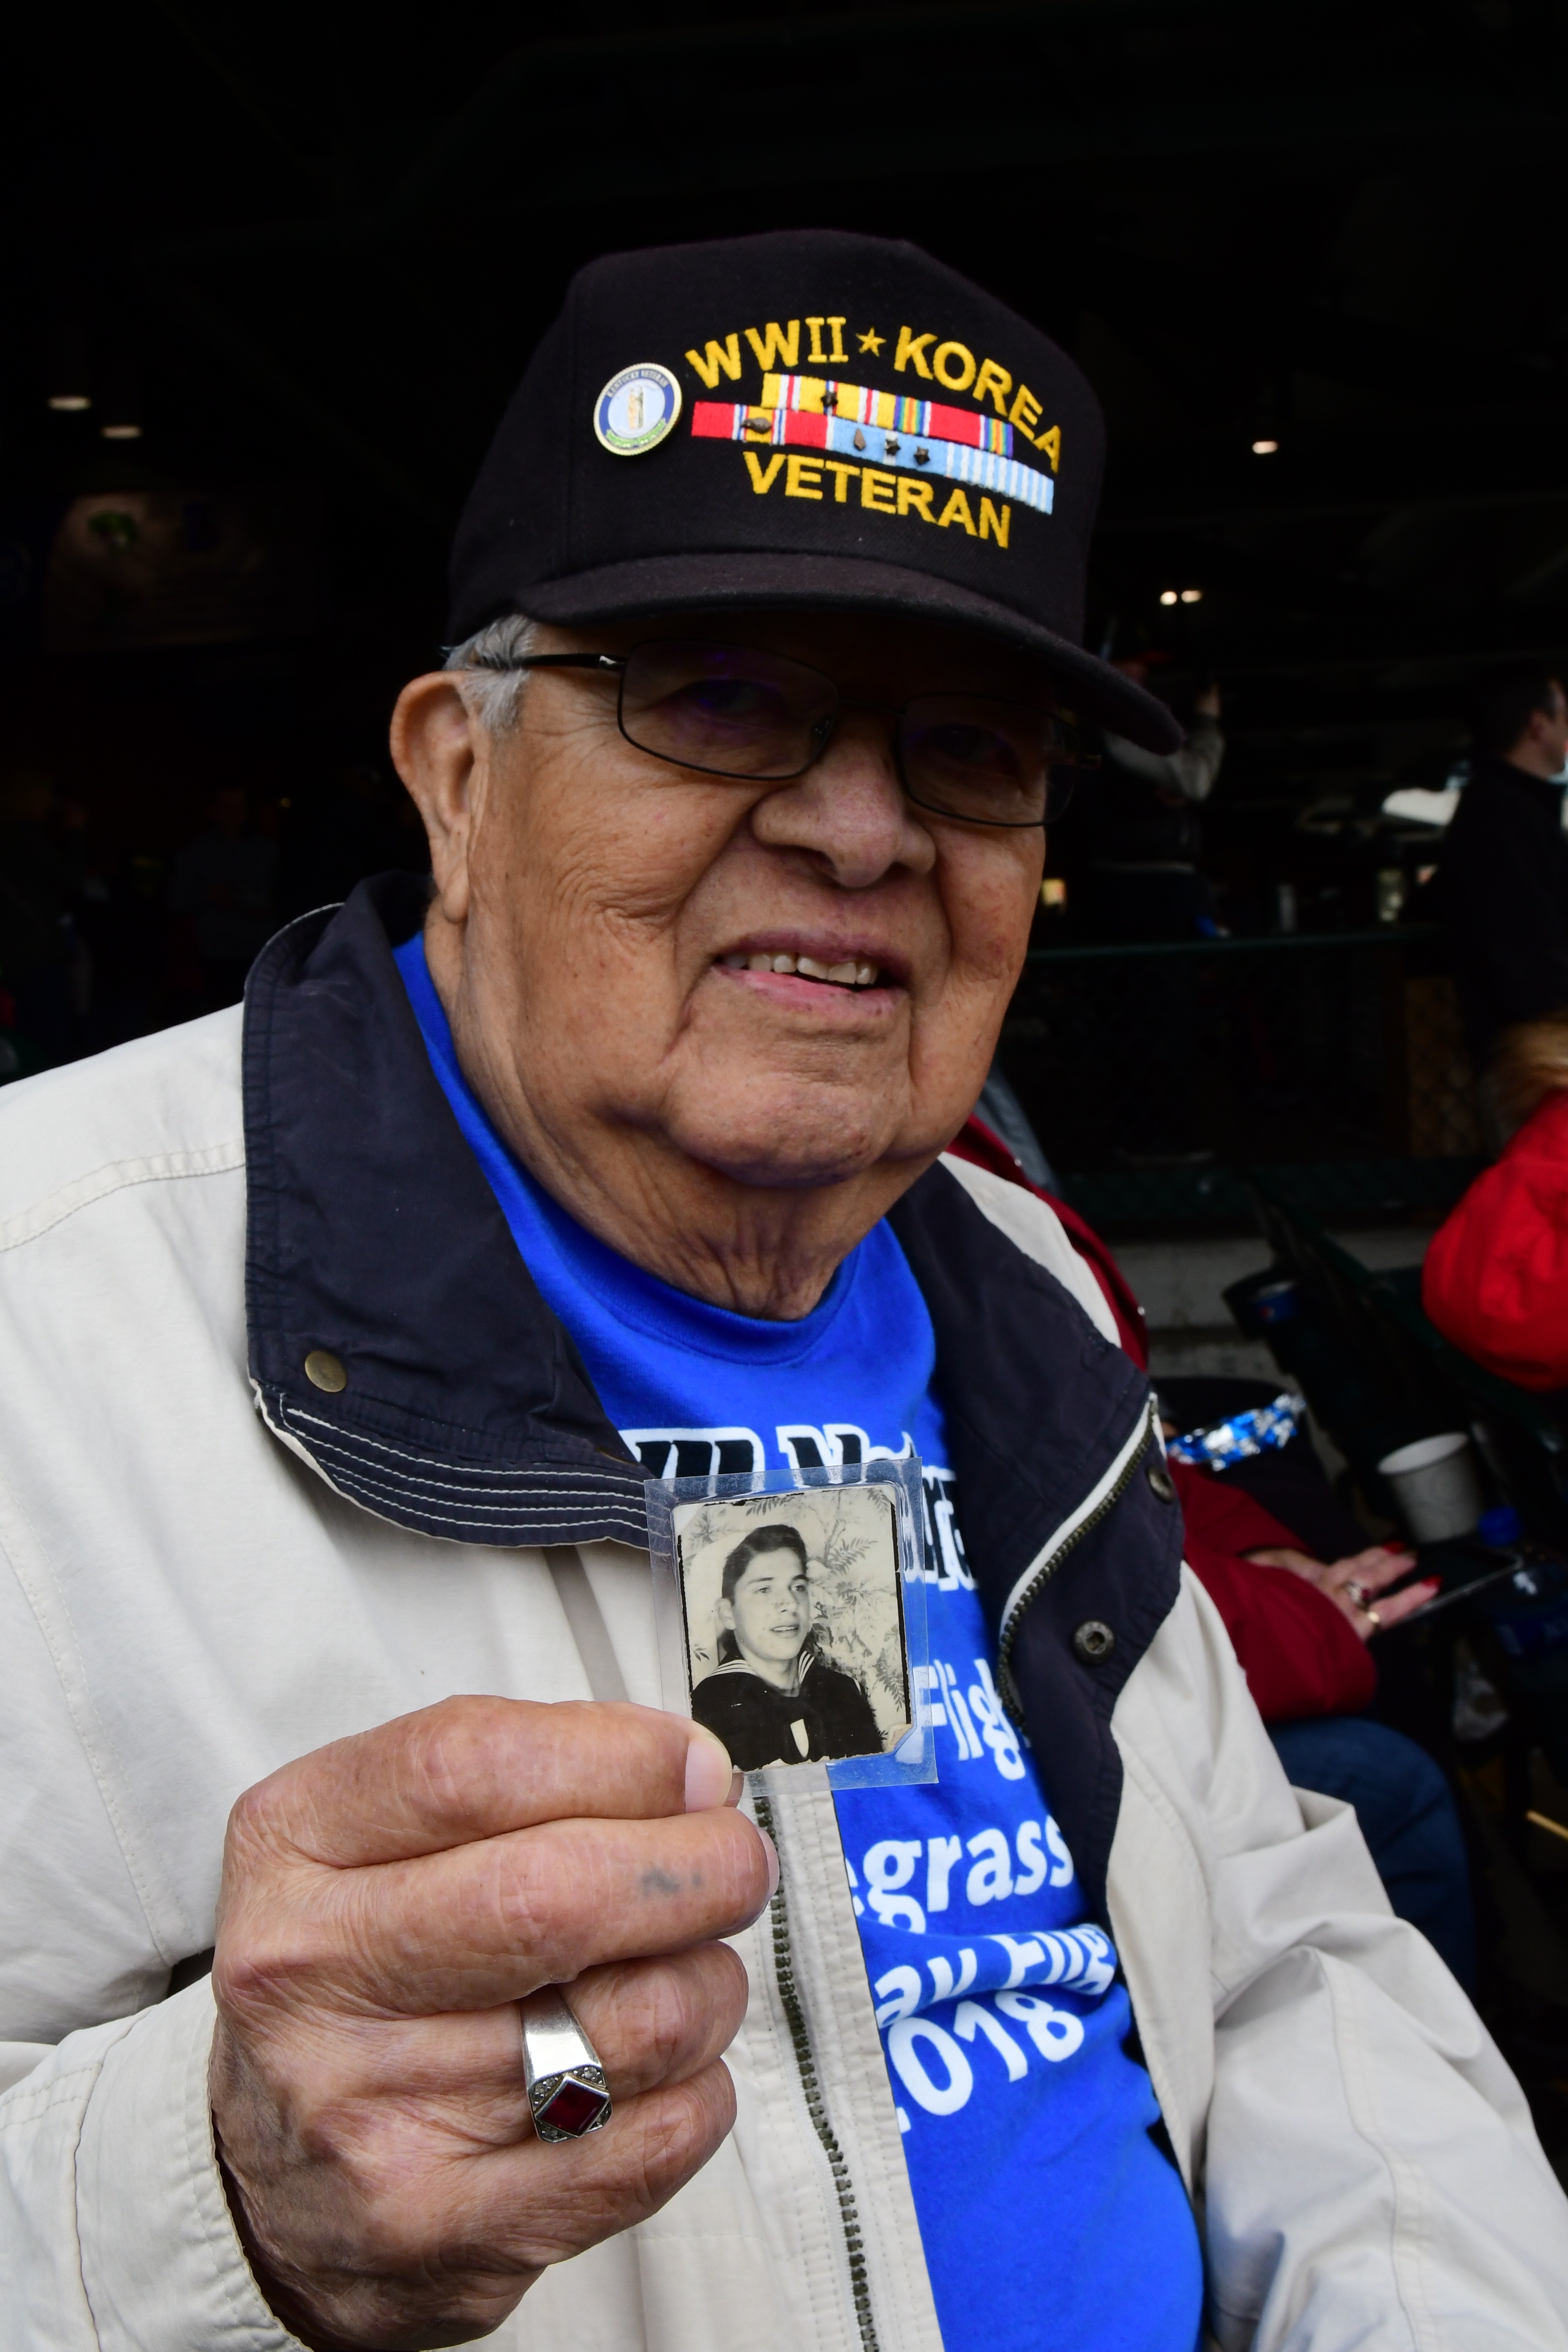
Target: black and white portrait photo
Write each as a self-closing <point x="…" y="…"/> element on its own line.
<point x="795" y="1630"/>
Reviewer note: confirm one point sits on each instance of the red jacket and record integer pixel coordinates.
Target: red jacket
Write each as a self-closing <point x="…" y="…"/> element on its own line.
<point x="1300" y="1653"/>
<point x="1495" y="1279"/>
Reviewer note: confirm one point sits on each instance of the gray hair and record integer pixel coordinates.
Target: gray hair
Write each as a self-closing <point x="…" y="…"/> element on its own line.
<point x="491" y="685"/>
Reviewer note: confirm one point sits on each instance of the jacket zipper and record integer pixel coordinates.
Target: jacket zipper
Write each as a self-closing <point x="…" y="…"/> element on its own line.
<point x="811" y="2089"/>
<point x="1101" y="1499"/>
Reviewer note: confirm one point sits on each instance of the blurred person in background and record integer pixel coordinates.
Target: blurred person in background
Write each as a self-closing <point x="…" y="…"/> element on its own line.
<point x="43" y="965"/>
<point x="1495" y="1280"/>
<point x="126" y="923"/>
<point x="1143" y="833"/>
<point x="1138" y="837"/>
<point x="1501" y="887"/>
<point x="352" y="821"/>
<point x="1303" y="1595"/>
<point x="224" y="882"/>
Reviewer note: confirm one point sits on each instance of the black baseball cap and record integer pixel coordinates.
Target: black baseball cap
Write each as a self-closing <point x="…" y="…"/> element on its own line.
<point x="808" y="418"/>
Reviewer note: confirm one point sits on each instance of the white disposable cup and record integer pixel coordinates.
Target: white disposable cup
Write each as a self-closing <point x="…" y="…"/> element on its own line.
<point x="1435" y="1485"/>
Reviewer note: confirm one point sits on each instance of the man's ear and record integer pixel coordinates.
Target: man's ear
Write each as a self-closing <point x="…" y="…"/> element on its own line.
<point x="438" y="751"/>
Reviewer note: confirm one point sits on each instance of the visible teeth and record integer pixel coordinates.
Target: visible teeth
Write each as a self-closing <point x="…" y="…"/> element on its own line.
<point x="848" y="974"/>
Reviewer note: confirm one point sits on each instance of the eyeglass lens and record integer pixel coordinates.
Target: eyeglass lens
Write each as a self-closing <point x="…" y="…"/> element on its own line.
<point x="735" y="710"/>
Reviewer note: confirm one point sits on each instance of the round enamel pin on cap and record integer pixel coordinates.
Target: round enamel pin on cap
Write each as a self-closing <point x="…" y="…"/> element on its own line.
<point x="636" y="409"/>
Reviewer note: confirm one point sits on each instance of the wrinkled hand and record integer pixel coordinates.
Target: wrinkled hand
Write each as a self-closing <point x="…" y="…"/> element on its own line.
<point x="385" y="1902"/>
<point x="1365" y="1572"/>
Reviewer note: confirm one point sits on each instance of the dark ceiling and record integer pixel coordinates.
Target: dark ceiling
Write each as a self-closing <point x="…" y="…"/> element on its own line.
<point x="304" y="248"/>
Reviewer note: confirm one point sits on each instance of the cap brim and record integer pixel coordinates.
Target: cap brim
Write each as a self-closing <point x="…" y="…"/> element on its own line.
<point x="675" y="583"/>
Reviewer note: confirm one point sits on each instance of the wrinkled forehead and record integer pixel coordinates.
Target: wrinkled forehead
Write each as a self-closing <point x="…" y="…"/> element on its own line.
<point x="887" y="658"/>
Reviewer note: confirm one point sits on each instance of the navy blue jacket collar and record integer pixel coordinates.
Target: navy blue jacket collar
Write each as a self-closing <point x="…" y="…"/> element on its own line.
<point x="374" y="1236"/>
<point x="469" y="1413"/>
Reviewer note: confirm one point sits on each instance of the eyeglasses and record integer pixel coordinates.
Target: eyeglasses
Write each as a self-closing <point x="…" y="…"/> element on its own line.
<point x="760" y="718"/>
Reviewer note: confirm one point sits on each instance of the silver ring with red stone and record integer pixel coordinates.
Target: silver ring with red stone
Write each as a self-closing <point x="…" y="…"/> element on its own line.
<point x="566" y="2087"/>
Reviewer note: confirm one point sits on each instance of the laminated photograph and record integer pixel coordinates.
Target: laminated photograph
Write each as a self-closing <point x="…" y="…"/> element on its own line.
<point x="786" y="1616"/>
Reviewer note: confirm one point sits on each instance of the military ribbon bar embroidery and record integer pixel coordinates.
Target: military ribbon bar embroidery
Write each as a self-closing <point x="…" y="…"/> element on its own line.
<point x="888" y="412"/>
<point x="882" y="428"/>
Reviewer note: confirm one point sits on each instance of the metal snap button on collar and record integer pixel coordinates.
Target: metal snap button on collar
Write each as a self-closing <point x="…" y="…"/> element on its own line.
<point x="323" y="1370"/>
<point x="1094" y="1641"/>
<point x="1161" y="1482"/>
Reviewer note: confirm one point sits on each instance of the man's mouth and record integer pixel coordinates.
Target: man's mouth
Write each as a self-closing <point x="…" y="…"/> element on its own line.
<point x="854" y="973"/>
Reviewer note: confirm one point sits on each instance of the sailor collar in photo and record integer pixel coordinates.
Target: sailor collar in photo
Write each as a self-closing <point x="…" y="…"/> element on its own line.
<point x="375" y="1242"/>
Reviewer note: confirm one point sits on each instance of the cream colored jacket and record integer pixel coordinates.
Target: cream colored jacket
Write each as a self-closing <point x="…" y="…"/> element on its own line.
<point x="184" y="1606"/>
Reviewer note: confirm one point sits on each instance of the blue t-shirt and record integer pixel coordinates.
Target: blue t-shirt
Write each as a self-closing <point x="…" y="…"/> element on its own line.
<point x="1048" y="2215"/>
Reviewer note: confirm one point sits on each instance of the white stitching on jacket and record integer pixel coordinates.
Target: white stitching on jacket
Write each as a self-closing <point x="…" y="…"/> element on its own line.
<point x="562" y="1506"/>
<point x="434" y="1462"/>
<point x="115" y="1176"/>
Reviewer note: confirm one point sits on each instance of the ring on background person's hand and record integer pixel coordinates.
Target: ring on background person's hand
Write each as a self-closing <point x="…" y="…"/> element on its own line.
<point x="1368" y="1611"/>
<point x="1356" y="1591"/>
<point x="566" y="2082"/>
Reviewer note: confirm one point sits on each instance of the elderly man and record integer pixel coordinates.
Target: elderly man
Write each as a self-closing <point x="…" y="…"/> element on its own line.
<point x="340" y="1346"/>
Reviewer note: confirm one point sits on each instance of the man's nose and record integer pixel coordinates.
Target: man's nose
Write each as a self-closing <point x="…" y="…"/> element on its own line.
<point x="849" y="812"/>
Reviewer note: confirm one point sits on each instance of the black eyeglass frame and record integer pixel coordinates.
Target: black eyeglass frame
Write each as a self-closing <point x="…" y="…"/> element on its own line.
<point x="616" y="664"/>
